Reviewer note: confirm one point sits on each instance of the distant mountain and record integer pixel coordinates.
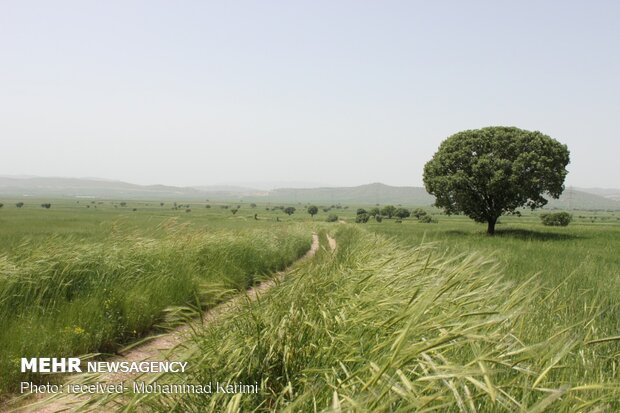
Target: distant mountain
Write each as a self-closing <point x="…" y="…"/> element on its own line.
<point x="375" y="193"/>
<point x="609" y="193"/>
<point x="95" y="188"/>
<point x="370" y="194"/>
<point x="231" y="190"/>
<point x="572" y="198"/>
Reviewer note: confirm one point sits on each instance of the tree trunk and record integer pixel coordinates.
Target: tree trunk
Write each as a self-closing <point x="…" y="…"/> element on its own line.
<point x="491" y="226"/>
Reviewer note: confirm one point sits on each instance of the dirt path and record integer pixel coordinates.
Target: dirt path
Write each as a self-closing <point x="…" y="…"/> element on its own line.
<point x="159" y="347"/>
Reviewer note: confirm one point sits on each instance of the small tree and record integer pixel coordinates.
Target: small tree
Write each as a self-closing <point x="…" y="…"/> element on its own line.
<point x="46" y="205"/>
<point x="388" y="211"/>
<point x="427" y="219"/>
<point x="1" y="204"/>
<point x="123" y="204"/>
<point x="19" y="204"/>
<point x="402" y="213"/>
<point x="161" y="204"/>
<point x="556" y="219"/>
<point x="313" y="210"/>
<point x="234" y="210"/>
<point x="374" y="212"/>
<point x="332" y="218"/>
<point x="418" y="213"/>
<point x="361" y="211"/>
<point x="252" y="205"/>
<point x="378" y="218"/>
<point x="362" y="218"/>
<point x="289" y="211"/>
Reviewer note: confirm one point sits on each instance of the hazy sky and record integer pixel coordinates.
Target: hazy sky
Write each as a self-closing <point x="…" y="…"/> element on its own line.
<point x="336" y="92"/>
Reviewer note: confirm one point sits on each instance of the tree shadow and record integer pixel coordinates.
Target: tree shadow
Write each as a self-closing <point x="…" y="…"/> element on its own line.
<point x="528" y="234"/>
<point x="523" y="234"/>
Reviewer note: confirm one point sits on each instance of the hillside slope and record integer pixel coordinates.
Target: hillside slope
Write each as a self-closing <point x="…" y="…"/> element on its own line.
<point x="371" y="194"/>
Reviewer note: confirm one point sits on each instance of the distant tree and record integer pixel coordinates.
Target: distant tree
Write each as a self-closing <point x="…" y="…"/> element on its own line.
<point x="418" y="213"/>
<point x="188" y="210"/>
<point x="402" y="213"/>
<point x="46" y="205"/>
<point x="332" y="218"/>
<point x="238" y="206"/>
<point x="207" y="206"/>
<point x="556" y="219"/>
<point x="378" y="218"/>
<point x="252" y="205"/>
<point x="362" y="218"/>
<point x="427" y="219"/>
<point x="313" y="210"/>
<point x="161" y="204"/>
<point x="266" y="208"/>
<point x="224" y="206"/>
<point x="135" y="209"/>
<point x="488" y="172"/>
<point x="374" y="211"/>
<point x="234" y="210"/>
<point x="123" y="204"/>
<point x="87" y="206"/>
<point x="388" y="211"/>
<point x="1" y="204"/>
<point x="361" y="211"/>
<point x="19" y="204"/>
<point x="289" y="210"/>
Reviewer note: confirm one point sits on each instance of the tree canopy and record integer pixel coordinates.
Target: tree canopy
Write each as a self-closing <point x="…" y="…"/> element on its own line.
<point x="388" y="210"/>
<point x="488" y="172"/>
<point x="313" y="210"/>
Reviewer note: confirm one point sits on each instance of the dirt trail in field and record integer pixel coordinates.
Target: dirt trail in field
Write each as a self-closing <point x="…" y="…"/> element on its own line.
<point x="159" y="347"/>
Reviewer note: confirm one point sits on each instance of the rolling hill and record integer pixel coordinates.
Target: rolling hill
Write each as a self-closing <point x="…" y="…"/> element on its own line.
<point x="376" y="193"/>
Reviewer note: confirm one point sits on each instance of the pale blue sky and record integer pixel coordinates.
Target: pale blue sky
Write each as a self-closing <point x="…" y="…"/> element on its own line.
<point x="337" y="92"/>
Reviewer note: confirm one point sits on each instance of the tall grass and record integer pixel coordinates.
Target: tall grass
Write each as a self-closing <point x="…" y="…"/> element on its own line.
<point x="382" y="327"/>
<point x="65" y="297"/>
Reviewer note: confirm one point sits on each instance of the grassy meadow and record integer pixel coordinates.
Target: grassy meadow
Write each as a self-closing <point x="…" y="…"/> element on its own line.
<point x="384" y="326"/>
<point x="403" y="317"/>
<point x="108" y="278"/>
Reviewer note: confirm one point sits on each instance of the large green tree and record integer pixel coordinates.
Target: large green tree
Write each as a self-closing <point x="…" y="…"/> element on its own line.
<point x="488" y="172"/>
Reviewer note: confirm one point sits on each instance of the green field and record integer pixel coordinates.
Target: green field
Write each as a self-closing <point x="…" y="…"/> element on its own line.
<point x="405" y="316"/>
